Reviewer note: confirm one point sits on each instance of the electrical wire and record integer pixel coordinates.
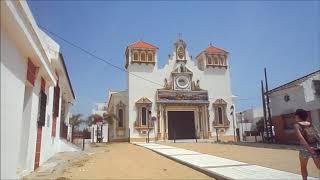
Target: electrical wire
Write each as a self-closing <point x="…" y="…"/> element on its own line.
<point x="97" y="57"/>
<point x="108" y="62"/>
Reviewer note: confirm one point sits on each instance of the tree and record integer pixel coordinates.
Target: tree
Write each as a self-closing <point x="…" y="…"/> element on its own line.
<point x="86" y="133"/>
<point x="93" y="119"/>
<point x="74" y="121"/>
<point x="260" y="125"/>
<point x="109" y="118"/>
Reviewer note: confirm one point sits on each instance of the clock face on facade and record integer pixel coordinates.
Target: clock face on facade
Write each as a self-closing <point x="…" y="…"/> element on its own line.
<point x="182" y="82"/>
<point x="180" y="52"/>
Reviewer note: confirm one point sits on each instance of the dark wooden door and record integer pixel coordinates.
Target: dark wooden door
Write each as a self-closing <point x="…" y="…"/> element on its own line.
<point x="181" y="125"/>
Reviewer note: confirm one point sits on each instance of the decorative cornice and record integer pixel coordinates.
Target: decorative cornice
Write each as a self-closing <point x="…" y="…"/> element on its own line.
<point x="220" y="102"/>
<point x="144" y="100"/>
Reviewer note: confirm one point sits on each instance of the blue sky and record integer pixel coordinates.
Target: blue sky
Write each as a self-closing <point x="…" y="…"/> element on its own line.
<point x="282" y="36"/>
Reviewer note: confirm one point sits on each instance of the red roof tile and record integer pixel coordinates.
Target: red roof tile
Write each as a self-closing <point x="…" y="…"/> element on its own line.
<point x="212" y="49"/>
<point x="142" y="44"/>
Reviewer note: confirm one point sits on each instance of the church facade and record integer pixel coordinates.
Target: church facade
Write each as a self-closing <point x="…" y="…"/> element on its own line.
<point x="186" y="99"/>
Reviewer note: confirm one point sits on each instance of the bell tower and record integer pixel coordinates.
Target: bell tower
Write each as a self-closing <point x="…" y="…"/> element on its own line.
<point x="180" y="48"/>
<point x="141" y="52"/>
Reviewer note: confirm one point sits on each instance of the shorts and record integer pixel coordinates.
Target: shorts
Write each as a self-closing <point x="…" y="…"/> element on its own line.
<point x="304" y="153"/>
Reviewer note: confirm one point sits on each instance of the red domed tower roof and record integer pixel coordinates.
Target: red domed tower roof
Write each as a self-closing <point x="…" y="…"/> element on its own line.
<point x="214" y="50"/>
<point x="142" y="44"/>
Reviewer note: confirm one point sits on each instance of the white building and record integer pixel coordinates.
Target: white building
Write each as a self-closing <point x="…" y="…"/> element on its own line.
<point x="302" y="93"/>
<point x="96" y="132"/>
<point x="99" y="108"/>
<point x="247" y="119"/>
<point x="36" y="93"/>
<point x="189" y="98"/>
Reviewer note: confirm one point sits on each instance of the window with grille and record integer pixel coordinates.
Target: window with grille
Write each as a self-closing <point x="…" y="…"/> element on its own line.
<point x="42" y="108"/>
<point x="220" y="115"/>
<point x="144" y="116"/>
<point x="120" y="114"/>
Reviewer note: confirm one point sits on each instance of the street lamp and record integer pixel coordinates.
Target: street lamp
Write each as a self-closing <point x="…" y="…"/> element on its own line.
<point x="241" y="123"/>
<point x="232" y="114"/>
<point x="149" y="115"/>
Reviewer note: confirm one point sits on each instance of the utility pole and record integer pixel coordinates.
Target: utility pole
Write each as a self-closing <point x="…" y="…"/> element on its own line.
<point x="264" y="111"/>
<point x="241" y="122"/>
<point x="268" y="107"/>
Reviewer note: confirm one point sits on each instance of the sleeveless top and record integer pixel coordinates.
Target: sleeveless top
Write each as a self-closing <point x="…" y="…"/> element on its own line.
<point x="310" y="134"/>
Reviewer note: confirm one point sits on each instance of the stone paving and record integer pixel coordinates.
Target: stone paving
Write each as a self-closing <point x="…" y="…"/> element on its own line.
<point x="218" y="167"/>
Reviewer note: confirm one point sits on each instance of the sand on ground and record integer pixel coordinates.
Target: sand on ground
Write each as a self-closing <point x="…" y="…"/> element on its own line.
<point x="128" y="161"/>
<point x="281" y="159"/>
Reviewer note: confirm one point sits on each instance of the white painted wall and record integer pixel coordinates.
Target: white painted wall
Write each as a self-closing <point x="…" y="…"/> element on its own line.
<point x="297" y="100"/>
<point x="301" y="97"/>
<point x="13" y="70"/>
<point x="19" y="104"/>
<point x="114" y="99"/>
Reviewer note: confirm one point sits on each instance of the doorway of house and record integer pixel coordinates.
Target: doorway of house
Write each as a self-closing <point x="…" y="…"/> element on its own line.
<point x="181" y="125"/>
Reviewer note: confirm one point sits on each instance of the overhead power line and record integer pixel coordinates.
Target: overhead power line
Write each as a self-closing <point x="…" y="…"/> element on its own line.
<point x="97" y="57"/>
<point x="107" y="61"/>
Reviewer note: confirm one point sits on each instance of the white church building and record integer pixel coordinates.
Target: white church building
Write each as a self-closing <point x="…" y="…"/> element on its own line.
<point x="186" y="99"/>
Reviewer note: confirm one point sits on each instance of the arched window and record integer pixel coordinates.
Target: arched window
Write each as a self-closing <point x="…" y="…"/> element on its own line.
<point x="120" y="114"/>
<point x="135" y="56"/>
<point x="216" y="60"/>
<point x="209" y="60"/>
<point x="221" y="61"/>
<point x="150" y="58"/>
<point x="220" y="115"/>
<point x="143" y="56"/>
<point x="144" y="116"/>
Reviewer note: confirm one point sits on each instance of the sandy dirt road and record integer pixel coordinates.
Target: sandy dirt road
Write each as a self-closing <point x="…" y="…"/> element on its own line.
<point x="128" y="161"/>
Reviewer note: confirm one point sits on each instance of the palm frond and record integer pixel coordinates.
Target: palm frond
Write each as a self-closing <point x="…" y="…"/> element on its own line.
<point x="109" y="118"/>
<point x="75" y="120"/>
<point x="93" y="119"/>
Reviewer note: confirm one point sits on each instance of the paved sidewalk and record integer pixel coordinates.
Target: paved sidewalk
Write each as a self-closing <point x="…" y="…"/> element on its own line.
<point x="218" y="167"/>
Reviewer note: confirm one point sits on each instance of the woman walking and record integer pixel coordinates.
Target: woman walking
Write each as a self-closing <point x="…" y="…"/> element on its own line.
<point x="309" y="140"/>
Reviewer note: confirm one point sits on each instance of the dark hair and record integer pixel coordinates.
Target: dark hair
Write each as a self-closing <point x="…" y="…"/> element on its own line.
<point x="302" y="114"/>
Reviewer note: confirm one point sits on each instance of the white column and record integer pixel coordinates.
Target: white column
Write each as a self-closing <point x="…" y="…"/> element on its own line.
<point x="105" y="133"/>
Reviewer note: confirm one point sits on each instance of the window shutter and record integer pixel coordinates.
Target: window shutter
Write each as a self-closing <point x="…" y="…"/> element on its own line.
<point x="56" y="101"/>
<point x="31" y="72"/>
<point x="42" y="110"/>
